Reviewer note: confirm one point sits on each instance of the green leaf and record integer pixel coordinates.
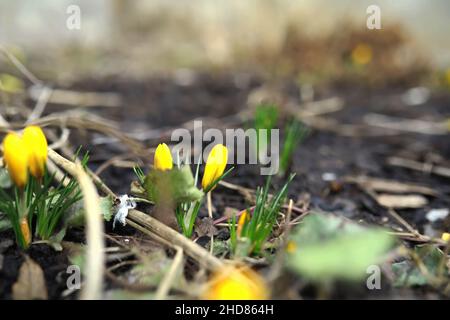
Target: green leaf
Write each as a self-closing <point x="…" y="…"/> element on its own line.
<point x="175" y="185"/>
<point x="330" y="247"/>
<point x="408" y="274"/>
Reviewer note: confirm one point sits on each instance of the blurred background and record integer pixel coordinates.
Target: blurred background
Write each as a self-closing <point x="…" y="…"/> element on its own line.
<point x="315" y="40"/>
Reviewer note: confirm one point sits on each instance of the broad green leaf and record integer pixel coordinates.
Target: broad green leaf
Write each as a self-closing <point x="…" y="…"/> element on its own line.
<point x="329" y="247"/>
<point x="176" y="185"/>
<point x="408" y="274"/>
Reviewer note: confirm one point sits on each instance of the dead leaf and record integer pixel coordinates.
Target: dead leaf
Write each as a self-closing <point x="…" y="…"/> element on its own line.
<point x="30" y="284"/>
<point x="401" y="201"/>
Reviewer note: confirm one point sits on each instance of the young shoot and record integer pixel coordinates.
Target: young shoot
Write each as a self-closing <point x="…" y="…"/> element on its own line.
<point x="255" y="225"/>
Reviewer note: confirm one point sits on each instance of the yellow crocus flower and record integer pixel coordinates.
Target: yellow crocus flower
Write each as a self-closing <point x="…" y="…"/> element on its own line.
<point x="36" y="143"/>
<point x="215" y="165"/>
<point x="445" y="236"/>
<point x="233" y="283"/>
<point x="163" y="158"/>
<point x="15" y="155"/>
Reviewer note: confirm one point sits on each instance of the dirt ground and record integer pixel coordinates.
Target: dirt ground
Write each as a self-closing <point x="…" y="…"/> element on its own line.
<point x="167" y="102"/>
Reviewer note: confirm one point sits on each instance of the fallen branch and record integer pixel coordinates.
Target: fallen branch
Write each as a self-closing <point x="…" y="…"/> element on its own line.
<point x="201" y="255"/>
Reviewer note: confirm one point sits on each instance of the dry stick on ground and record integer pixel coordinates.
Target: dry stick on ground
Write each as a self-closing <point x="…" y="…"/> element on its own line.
<point x="27" y="73"/>
<point x="419" y="166"/>
<point x="94" y="123"/>
<point x="44" y="96"/>
<point x="70" y="167"/>
<point x="394" y="214"/>
<point x="79" y="99"/>
<point x="202" y="256"/>
<point x="170" y="276"/>
<point x="95" y="257"/>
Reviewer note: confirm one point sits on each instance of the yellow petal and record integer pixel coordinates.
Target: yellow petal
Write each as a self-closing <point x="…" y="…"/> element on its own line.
<point x="36" y="143"/>
<point x="15" y="155"/>
<point x="163" y="158"/>
<point x="232" y="283"/>
<point x="215" y="165"/>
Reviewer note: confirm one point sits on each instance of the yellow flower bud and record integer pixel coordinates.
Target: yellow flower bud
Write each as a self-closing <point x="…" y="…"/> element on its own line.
<point x="15" y="155"/>
<point x="215" y="165"/>
<point x="245" y="217"/>
<point x="232" y="283"/>
<point x="163" y="158"/>
<point x="445" y="236"/>
<point x="36" y="143"/>
<point x="25" y="229"/>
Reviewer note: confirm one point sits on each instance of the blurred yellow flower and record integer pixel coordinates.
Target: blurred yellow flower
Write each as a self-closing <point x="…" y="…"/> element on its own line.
<point x="445" y="236"/>
<point x="232" y="283"/>
<point x="25" y="229"/>
<point x="362" y="54"/>
<point x="163" y="158"/>
<point x="15" y="155"/>
<point x="36" y="144"/>
<point x="215" y="165"/>
<point x="291" y="247"/>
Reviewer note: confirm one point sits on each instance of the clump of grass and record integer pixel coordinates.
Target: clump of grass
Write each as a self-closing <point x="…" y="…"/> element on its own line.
<point x="55" y="203"/>
<point x="254" y="227"/>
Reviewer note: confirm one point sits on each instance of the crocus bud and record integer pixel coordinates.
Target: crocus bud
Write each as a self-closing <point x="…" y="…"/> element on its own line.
<point x="215" y="165"/>
<point x="231" y="283"/>
<point x="243" y="219"/>
<point x="15" y="155"/>
<point x="26" y="233"/>
<point x="36" y="143"/>
<point x="163" y="158"/>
